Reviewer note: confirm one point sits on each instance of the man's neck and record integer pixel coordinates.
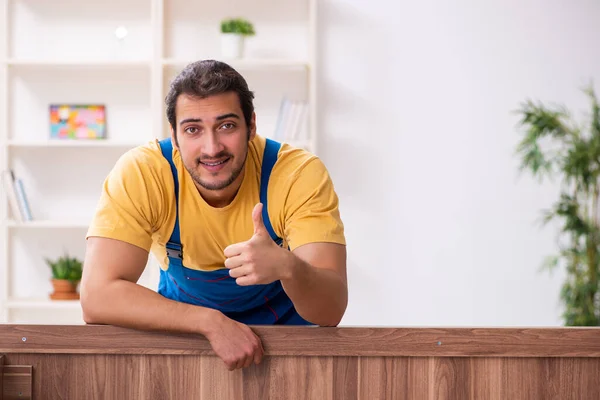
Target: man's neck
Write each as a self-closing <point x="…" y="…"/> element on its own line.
<point x="224" y="197"/>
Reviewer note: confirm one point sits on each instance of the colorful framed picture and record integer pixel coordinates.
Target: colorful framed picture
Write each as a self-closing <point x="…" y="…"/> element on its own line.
<point x="77" y="121"/>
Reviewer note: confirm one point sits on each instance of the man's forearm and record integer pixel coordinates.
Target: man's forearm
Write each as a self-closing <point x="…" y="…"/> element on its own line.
<point x="128" y="304"/>
<point x="319" y="295"/>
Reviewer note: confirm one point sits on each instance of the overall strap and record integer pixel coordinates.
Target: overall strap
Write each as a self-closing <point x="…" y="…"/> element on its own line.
<point x="269" y="158"/>
<point x="174" y="249"/>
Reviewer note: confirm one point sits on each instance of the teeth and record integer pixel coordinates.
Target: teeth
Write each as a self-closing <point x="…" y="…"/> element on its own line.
<point x="214" y="164"/>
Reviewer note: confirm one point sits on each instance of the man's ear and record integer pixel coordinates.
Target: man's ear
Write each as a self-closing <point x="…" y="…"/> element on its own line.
<point x="252" y="127"/>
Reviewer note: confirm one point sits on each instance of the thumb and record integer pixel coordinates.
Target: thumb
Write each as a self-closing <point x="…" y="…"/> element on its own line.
<point x="259" y="226"/>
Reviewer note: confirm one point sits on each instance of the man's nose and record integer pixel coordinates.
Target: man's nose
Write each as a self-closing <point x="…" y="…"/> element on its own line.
<point x="212" y="146"/>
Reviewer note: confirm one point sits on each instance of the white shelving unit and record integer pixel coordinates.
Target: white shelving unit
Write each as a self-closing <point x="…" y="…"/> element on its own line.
<point x="72" y="144"/>
<point x="47" y="224"/>
<point x="66" y="52"/>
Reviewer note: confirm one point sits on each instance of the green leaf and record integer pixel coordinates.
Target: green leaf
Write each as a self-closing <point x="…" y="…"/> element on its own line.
<point x="66" y="267"/>
<point x="237" y="25"/>
<point x="550" y="263"/>
<point x="553" y="146"/>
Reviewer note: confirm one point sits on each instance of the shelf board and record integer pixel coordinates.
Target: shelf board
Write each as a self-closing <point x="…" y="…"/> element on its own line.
<point x="43" y="303"/>
<point x="77" y="63"/>
<point x="248" y="63"/>
<point x="45" y="224"/>
<point x="73" y="143"/>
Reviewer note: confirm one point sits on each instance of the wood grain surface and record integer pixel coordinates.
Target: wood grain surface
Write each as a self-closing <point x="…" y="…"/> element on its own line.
<point x="1" y="377"/>
<point x="126" y="376"/>
<point x="105" y="362"/>
<point x="16" y="383"/>
<point x="306" y="341"/>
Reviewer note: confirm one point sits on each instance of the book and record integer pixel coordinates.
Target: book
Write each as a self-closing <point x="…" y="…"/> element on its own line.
<point x="8" y="183"/>
<point x="291" y="121"/>
<point x="17" y="199"/>
<point x="22" y="198"/>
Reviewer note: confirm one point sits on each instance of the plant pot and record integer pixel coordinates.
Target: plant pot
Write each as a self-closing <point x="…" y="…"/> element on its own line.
<point x="232" y="45"/>
<point x="64" y="290"/>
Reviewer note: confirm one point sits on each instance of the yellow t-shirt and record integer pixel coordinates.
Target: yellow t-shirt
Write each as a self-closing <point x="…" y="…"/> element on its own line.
<point x="137" y="205"/>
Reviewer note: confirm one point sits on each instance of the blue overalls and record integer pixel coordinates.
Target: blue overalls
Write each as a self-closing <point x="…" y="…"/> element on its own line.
<point x="252" y="305"/>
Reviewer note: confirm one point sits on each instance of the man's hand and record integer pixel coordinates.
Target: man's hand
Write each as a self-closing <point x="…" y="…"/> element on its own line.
<point x="259" y="260"/>
<point x="235" y="343"/>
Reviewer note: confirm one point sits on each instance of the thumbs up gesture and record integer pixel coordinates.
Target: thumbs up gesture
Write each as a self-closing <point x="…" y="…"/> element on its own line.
<point x="259" y="260"/>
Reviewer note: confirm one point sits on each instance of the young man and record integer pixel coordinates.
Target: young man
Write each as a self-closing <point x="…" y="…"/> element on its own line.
<point x="247" y="230"/>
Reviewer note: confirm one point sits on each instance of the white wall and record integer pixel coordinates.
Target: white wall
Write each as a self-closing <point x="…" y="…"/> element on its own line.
<point x="417" y="131"/>
<point x="419" y="137"/>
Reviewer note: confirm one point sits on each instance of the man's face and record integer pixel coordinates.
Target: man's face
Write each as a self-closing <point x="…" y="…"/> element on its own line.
<point x="212" y="138"/>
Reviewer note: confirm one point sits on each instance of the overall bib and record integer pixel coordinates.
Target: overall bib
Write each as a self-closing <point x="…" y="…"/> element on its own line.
<point x="251" y="305"/>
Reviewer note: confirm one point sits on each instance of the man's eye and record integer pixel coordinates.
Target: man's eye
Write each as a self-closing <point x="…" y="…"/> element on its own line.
<point x="191" y="130"/>
<point x="228" y="125"/>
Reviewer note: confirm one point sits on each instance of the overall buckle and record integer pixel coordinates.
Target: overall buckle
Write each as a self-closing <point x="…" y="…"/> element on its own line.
<point x="174" y="250"/>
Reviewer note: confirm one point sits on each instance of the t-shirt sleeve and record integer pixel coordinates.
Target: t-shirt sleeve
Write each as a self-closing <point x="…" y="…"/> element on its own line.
<point x="128" y="208"/>
<point x="312" y="208"/>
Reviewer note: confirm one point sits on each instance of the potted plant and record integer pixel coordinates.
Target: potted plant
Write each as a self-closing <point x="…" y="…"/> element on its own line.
<point x="233" y="33"/>
<point x="553" y="145"/>
<point x="66" y="274"/>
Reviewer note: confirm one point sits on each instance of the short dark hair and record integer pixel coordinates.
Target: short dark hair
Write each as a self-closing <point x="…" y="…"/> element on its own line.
<point x="207" y="78"/>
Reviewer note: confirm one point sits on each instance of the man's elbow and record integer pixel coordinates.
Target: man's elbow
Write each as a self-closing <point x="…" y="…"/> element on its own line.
<point x="89" y="304"/>
<point x="87" y="312"/>
<point x="329" y="318"/>
<point x="336" y="318"/>
<point x="88" y="318"/>
<point x="331" y="323"/>
<point x="328" y="321"/>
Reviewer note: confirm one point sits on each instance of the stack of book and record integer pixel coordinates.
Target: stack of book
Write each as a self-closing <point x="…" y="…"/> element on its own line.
<point x="292" y="121"/>
<point x="13" y="187"/>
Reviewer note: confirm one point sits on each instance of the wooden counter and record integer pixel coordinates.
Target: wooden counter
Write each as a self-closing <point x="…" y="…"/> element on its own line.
<point x="107" y="362"/>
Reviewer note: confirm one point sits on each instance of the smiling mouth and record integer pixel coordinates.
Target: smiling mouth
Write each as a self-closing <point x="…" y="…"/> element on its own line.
<point x="214" y="164"/>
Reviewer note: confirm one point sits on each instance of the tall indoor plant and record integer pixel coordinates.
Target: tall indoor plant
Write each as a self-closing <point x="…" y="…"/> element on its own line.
<point x="553" y="145"/>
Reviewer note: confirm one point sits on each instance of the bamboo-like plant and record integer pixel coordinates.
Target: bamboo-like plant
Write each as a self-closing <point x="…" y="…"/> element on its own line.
<point x="554" y="145"/>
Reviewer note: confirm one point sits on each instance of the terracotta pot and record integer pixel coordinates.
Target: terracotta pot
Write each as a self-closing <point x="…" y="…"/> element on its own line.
<point x="64" y="290"/>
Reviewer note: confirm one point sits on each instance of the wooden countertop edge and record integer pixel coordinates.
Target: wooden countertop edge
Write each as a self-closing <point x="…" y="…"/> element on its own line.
<point x="313" y="341"/>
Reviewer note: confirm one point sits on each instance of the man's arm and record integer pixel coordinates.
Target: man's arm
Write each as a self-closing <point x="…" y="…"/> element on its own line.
<point x="110" y="295"/>
<point x="313" y="275"/>
<point x="133" y="204"/>
<point x="315" y="271"/>
<point x="317" y="282"/>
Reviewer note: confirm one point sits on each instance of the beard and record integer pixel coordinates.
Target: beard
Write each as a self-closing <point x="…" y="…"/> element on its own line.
<point x="218" y="185"/>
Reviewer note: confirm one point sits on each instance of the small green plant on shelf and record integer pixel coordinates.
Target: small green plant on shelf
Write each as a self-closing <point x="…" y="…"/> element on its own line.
<point x="66" y="274"/>
<point x="238" y="26"/>
<point x="233" y="34"/>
